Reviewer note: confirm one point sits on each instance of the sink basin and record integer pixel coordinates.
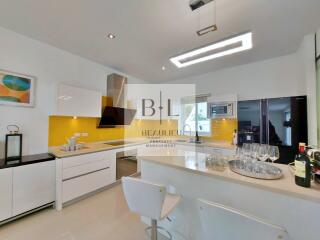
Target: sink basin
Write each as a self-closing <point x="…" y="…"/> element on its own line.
<point x="181" y="140"/>
<point x="188" y="141"/>
<point x="118" y="143"/>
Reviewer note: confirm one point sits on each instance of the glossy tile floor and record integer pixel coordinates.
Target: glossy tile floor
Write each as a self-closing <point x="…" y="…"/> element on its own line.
<point x="104" y="216"/>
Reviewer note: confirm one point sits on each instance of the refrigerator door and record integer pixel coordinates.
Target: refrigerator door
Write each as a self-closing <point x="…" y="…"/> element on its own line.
<point x="287" y="125"/>
<point x="249" y="122"/>
<point x="279" y="122"/>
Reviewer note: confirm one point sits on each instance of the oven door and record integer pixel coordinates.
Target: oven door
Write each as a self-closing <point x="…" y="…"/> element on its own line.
<point x="127" y="164"/>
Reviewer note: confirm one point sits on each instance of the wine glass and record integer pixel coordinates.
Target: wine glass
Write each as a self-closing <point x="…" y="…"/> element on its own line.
<point x="239" y="153"/>
<point x="246" y="149"/>
<point x="254" y="150"/>
<point x="274" y="153"/>
<point x="263" y="154"/>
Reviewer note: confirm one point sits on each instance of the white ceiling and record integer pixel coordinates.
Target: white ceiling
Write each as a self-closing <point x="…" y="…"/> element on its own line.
<point x="149" y="32"/>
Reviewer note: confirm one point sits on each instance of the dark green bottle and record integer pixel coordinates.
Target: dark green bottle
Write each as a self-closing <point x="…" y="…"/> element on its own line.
<point x="303" y="170"/>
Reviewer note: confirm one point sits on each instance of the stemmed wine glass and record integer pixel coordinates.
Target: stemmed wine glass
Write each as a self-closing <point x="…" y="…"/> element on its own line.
<point x="263" y="153"/>
<point x="274" y="153"/>
<point x="254" y="147"/>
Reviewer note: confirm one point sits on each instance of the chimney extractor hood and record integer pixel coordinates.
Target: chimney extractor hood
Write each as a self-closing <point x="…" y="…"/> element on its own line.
<point x="117" y="114"/>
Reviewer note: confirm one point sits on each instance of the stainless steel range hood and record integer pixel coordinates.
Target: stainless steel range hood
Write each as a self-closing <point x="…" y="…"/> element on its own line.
<point x="118" y="114"/>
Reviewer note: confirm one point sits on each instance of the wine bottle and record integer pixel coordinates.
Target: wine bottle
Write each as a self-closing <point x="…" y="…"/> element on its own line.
<point x="303" y="170"/>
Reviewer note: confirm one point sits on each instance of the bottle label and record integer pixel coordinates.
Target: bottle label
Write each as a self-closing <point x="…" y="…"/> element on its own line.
<point x="300" y="169"/>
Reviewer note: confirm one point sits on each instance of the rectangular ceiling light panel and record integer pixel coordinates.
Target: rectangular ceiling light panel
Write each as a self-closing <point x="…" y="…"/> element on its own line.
<point x="222" y="48"/>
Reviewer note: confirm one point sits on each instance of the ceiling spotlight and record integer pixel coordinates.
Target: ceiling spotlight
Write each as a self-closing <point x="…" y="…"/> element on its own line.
<point x="222" y="48"/>
<point x="163" y="68"/>
<point x="111" y="36"/>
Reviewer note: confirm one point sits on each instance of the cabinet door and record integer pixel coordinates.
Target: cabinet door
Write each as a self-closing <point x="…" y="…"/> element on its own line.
<point x="5" y="193"/>
<point x="33" y="186"/>
<point x="80" y="186"/>
<point x="73" y="101"/>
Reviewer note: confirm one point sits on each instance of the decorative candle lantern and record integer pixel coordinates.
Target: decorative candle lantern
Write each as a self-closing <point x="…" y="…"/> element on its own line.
<point x="13" y="144"/>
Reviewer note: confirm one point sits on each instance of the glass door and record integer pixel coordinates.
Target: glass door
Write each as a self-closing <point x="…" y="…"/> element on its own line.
<point x="249" y="122"/>
<point x="279" y="122"/>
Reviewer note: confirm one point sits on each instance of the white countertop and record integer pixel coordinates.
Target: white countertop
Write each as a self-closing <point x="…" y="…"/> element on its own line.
<point x="94" y="147"/>
<point x="104" y="146"/>
<point x="196" y="163"/>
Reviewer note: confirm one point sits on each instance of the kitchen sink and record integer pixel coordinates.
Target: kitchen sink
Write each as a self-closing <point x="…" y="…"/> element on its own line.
<point x="118" y="143"/>
<point x="188" y="141"/>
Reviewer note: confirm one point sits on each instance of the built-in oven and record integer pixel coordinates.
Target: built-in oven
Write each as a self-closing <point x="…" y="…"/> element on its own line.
<point x="127" y="164"/>
<point x="221" y="110"/>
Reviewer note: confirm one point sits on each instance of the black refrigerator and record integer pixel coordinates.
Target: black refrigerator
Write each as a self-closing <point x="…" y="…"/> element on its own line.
<point x="280" y="122"/>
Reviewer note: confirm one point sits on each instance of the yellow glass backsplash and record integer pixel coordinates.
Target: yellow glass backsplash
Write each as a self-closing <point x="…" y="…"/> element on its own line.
<point x="222" y="129"/>
<point x="62" y="128"/>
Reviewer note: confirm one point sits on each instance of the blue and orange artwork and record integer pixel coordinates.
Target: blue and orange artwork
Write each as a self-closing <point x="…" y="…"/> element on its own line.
<point x="15" y="89"/>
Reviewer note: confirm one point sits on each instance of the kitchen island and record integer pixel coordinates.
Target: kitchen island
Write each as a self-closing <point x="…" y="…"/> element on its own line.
<point x="280" y="202"/>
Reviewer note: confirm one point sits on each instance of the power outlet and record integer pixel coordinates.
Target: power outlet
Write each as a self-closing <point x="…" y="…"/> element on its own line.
<point x="85" y="134"/>
<point x="77" y="134"/>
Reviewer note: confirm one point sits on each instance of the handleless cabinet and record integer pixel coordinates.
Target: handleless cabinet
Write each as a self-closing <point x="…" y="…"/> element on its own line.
<point x="80" y="175"/>
<point x="5" y="193"/>
<point x="74" y="101"/>
<point x="33" y="186"/>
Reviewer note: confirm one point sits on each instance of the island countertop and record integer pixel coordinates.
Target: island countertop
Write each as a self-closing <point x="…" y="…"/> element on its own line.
<point x="195" y="163"/>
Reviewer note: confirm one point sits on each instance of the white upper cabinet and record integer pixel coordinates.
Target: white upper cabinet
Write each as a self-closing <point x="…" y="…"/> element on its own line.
<point x="74" y="101"/>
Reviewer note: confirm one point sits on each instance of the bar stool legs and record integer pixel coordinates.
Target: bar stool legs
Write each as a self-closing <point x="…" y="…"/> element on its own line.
<point x="154" y="230"/>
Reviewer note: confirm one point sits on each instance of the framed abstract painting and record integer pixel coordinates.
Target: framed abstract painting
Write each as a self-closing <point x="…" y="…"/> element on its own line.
<point x="16" y="89"/>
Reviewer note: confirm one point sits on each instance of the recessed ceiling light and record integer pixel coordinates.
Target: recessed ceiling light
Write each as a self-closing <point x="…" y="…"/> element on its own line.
<point x="222" y="48"/>
<point x="163" y="68"/>
<point x="111" y="36"/>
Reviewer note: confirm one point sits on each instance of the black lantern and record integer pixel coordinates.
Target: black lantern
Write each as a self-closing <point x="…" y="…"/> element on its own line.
<point x="13" y="145"/>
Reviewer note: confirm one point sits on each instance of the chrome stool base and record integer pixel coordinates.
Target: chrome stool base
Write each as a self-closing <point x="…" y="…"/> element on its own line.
<point x="154" y="231"/>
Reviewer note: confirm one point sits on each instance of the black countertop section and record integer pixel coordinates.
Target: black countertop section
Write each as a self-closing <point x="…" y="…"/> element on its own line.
<point x="25" y="160"/>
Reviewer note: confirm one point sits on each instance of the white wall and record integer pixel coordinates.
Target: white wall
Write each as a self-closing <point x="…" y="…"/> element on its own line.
<point x="276" y="77"/>
<point x="285" y="76"/>
<point x="306" y="54"/>
<point x="49" y="65"/>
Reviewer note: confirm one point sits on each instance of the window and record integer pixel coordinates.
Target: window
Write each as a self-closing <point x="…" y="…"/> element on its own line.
<point x="194" y="118"/>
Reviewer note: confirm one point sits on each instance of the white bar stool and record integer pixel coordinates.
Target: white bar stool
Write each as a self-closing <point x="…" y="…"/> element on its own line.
<point x="221" y="223"/>
<point x="149" y="200"/>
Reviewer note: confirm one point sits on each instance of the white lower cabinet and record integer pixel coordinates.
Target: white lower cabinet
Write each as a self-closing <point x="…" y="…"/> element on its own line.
<point x="80" y="175"/>
<point x="79" y="186"/>
<point x="33" y="186"/>
<point x="5" y="193"/>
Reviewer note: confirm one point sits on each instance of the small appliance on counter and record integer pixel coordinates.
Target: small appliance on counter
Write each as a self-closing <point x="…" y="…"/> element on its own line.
<point x="13" y="143"/>
<point x="72" y="145"/>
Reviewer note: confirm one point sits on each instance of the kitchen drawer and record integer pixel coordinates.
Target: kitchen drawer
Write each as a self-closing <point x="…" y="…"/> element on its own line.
<point x="86" y="158"/>
<point x="85" y="168"/>
<point x="80" y="186"/>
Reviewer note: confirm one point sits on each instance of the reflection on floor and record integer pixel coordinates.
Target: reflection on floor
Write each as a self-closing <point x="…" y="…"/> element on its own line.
<point x="103" y="216"/>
